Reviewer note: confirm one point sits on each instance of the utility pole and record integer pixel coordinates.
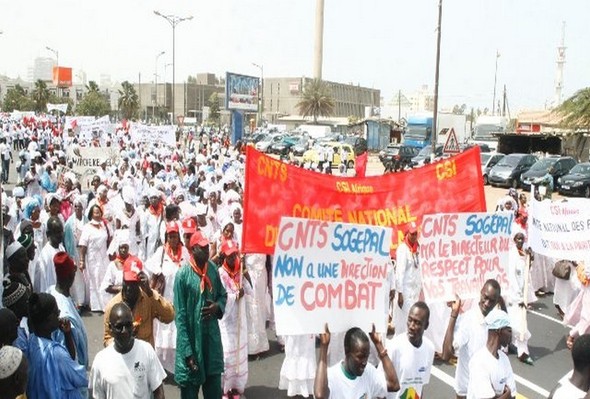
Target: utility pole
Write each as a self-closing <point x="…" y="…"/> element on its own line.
<point x="434" y="135"/>
<point x="399" y="106"/>
<point x="319" y="40"/>
<point x="156" y="88"/>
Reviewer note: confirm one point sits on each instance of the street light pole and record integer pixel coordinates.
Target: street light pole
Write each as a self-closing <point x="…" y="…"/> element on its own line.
<point x="57" y="66"/>
<point x="166" y="87"/>
<point x="173" y="20"/>
<point x="156" y="84"/>
<point x="261" y="94"/>
<point x="495" y="80"/>
<point x="434" y="135"/>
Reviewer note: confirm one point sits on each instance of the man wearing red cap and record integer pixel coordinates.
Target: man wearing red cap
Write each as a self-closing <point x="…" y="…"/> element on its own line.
<point x="146" y="304"/>
<point x="189" y="226"/>
<point x="65" y="272"/>
<point x="199" y="300"/>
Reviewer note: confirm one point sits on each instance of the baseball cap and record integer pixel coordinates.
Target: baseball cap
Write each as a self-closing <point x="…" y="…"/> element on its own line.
<point x="198" y="239"/>
<point x="131" y="269"/>
<point x="412" y="228"/>
<point x="229" y="247"/>
<point x="497" y="319"/>
<point x="171" y="227"/>
<point x="189" y="226"/>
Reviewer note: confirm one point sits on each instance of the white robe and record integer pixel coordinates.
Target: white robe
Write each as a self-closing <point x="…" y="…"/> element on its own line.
<point x="96" y="262"/>
<point x="256" y="304"/>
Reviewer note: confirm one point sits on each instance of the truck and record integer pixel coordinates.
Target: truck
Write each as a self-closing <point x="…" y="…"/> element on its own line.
<point x="484" y="129"/>
<point x="418" y="131"/>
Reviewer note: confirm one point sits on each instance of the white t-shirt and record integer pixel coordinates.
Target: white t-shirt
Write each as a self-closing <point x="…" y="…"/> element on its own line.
<point x="567" y="390"/>
<point x="411" y="364"/>
<point x="135" y="374"/>
<point x="488" y="376"/>
<point x="369" y="385"/>
<point x="471" y="334"/>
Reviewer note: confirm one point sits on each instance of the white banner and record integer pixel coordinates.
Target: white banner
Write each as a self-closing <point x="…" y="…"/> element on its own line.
<point x="560" y="229"/>
<point x="165" y="134"/>
<point x="329" y="272"/>
<point x="75" y="121"/>
<point x="86" y="161"/>
<point x="60" y="107"/>
<point x="96" y="129"/>
<point x="460" y="251"/>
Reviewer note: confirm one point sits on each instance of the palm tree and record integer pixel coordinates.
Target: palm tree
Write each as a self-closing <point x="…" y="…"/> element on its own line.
<point x="576" y="110"/>
<point x="128" y="101"/>
<point x="92" y="87"/>
<point x="316" y="100"/>
<point x="40" y="95"/>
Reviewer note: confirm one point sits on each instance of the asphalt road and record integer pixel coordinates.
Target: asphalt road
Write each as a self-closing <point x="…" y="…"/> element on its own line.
<point x="547" y="347"/>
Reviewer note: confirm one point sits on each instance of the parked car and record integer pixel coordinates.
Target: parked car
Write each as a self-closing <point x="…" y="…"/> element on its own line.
<point x="482" y="147"/>
<point x="313" y="155"/>
<point x="555" y="165"/>
<point x="252" y="139"/>
<point x="424" y="153"/>
<point x="266" y="142"/>
<point x="359" y="144"/>
<point x="398" y="153"/>
<point x="284" y="146"/>
<point x="301" y="146"/>
<point x="488" y="161"/>
<point x="508" y="170"/>
<point x="577" y="181"/>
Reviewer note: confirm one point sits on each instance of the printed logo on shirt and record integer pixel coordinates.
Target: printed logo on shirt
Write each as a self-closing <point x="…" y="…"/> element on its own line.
<point x="139" y="371"/>
<point x="422" y="369"/>
<point x="410" y="393"/>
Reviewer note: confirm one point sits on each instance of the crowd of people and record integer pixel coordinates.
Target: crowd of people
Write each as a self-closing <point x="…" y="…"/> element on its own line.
<point x="152" y="241"/>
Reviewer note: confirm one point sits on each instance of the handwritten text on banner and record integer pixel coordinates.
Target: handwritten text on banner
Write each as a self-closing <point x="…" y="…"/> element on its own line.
<point x="460" y="251"/>
<point x="335" y="273"/>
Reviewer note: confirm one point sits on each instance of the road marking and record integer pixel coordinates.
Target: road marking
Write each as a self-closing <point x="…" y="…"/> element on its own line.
<point x="548" y="318"/>
<point x="450" y="381"/>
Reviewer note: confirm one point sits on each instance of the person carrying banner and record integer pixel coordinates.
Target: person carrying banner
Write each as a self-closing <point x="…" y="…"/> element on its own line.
<point x="470" y="334"/>
<point x="408" y="280"/>
<point x="354" y="377"/>
<point x="412" y="354"/>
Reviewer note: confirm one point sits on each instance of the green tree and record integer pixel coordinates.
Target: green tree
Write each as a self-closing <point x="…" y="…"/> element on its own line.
<point x="16" y="99"/>
<point x="191" y="80"/>
<point x="214" y="108"/>
<point x="575" y="111"/>
<point x="128" y="101"/>
<point x="316" y="100"/>
<point x="93" y="103"/>
<point x="40" y="95"/>
<point x="92" y="87"/>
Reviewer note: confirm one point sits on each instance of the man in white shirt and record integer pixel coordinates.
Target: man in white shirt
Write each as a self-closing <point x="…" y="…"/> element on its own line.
<point x="412" y="354"/>
<point x="470" y="334"/>
<point x="576" y="383"/>
<point x="128" y="368"/>
<point x="354" y="377"/>
<point x="490" y="372"/>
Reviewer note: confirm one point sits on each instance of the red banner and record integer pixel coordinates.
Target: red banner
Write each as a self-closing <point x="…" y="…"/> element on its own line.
<point x="274" y="189"/>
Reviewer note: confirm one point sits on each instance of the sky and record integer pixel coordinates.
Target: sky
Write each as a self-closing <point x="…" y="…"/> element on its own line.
<point x="384" y="44"/>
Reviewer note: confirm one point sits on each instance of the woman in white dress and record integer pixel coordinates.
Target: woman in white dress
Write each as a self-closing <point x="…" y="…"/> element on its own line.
<point x="112" y="283"/>
<point x="256" y="304"/>
<point x="94" y="259"/>
<point x="164" y="264"/>
<point x="128" y="218"/>
<point x="520" y="294"/>
<point x="72" y="233"/>
<point x="234" y="323"/>
<point x="299" y="366"/>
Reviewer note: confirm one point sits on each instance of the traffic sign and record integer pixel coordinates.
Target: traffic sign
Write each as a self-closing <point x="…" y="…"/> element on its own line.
<point x="452" y="144"/>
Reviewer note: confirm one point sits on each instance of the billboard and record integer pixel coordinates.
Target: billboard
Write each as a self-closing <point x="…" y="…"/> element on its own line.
<point x="241" y="92"/>
<point x="62" y="76"/>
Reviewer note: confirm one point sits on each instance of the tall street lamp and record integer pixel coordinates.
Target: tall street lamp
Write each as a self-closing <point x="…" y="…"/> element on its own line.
<point x="57" y="65"/>
<point x="156" y="84"/>
<point x="166" y="86"/>
<point x="495" y="80"/>
<point x="173" y="20"/>
<point x="261" y="94"/>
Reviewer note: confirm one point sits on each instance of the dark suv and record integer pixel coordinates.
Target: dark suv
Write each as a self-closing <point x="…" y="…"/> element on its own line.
<point x="359" y="144"/>
<point x="398" y="153"/>
<point x="555" y="165"/>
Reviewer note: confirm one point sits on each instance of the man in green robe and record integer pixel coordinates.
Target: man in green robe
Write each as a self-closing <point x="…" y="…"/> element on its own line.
<point x="199" y="301"/>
